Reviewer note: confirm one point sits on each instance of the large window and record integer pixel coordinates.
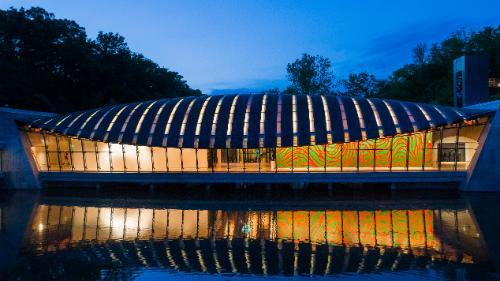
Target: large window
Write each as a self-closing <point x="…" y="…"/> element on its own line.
<point x="451" y="152"/>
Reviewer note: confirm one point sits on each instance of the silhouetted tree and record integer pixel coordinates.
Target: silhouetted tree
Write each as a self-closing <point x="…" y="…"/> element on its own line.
<point x="310" y="75"/>
<point x="50" y="64"/>
<point x="430" y="77"/>
<point x="360" y="85"/>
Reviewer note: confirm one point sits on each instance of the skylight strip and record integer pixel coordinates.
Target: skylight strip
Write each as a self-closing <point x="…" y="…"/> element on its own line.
<point x="125" y="125"/>
<point x="99" y="122"/>
<point x="230" y="122"/>
<point x="361" y="119"/>
<point x="62" y="120"/>
<point x="427" y="116"/>
<point x="278" y="122"/>
<point x="112" y="123"/>
<point x="86" y="122"/>
<point x="377" y="118"/>
<point x="262" y="123"/>
<point x="412" y="118"/>
<point x="214" y="123"/>
<point x="200" y="120"/>
<point x="312" y="130"/>
<point x="155" y="121"/>
<point x="73" y="122"/>
<point x="448" y="120"/>
<point x="343" y="115"/>
<point x="246" y="121"/>
<point x="184" y="121"/>
<point x="141" y="120"/>
<point x="327" y="120"/>
<point x="169" y="122"/>
<point x="393" y="116"/>
<point x="295" y="125"/>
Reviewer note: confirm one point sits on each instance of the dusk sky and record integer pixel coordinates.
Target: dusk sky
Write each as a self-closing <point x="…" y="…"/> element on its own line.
<point x="230" y="46"/>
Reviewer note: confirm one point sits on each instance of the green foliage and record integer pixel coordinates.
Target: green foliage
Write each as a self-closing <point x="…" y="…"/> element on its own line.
<point x="310" y="75"/>
<point x="50" y="64"/>
<point x="360" y="85"/>
<point x="430" y="77"/>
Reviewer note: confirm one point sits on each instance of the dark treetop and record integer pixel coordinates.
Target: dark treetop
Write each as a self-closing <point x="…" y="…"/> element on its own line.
<point x="50" y="64"/>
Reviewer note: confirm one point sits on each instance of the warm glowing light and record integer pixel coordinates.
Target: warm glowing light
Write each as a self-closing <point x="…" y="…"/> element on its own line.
<point x="327" y="120"/>
<point x="230" y="122"/>
<point x="110" y="126"/>
<point x="393" y="116"/>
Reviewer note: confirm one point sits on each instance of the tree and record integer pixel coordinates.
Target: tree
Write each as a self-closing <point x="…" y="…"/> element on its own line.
<point x="360" y="85"/>
<point x="420" y="54"/>
<point x="50" y="64"/>
<point x="430" y="77"/>
<point x="310" y="75"/>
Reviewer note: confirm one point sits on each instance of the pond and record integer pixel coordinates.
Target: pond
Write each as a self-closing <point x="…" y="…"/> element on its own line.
<point x="220" y="233"/>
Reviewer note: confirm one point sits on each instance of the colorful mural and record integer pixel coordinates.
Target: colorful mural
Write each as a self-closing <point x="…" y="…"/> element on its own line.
<point x="374" y="154"/>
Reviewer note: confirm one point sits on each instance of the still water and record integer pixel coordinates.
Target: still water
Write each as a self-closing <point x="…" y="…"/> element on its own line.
<point x="217" y="234"/>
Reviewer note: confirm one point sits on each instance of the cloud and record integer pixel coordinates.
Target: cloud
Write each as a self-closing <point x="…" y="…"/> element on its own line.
<point x="248" y="86"/>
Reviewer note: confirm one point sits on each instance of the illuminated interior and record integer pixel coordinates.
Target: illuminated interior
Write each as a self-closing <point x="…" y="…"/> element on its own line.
<point x="446" y="148"/>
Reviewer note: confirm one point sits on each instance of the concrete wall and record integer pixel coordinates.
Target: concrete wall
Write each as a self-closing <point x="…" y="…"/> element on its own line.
<point x="18" y="166"/>
<point x="484" y="170"/>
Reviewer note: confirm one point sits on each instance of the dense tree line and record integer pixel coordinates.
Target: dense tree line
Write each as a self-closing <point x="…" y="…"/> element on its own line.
<point x="52" y="65"/>
<point x="429" y="78"/>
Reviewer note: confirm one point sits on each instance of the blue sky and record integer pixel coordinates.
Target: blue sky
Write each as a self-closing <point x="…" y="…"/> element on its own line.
<point x="227" y="46"/>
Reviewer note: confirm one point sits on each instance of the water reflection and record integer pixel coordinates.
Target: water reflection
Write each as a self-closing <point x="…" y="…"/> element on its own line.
<point x="110" y="237"/>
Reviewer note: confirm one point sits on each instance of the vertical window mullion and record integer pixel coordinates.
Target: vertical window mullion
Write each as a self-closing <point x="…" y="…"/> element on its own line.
<point x="124" y="162"/>
<point x="70" y="154"/>
<point x="196" y="156"/>
<point x="244" y="151"/>
<point x="425" y="150"/>
<point x="390" y="153"/>
<point x="58" y="150"/>
<point x="96" y="151"/>
<point x="324" y="162"/>
<point x="308" y="158"/>
<point x="137" y="158"/>
<point x="46" y="146"/>
<point x="407" y="152"/>
<point x="182" y="160"/>
<point x="166" y="159"/>
<point x="341" y="157"/>
<point x="440" y="148"/>
<point x="213" y="158"/>
<point x="357" y="157"/>
<point x="260" y="157"/>
<point x="110" y="157"/>
<point x="83" y="156"/>
<point x="275" y="160"/>
<point x="227" y="159"/>
<point x="456" y="146"/>
<point x="152" y="160"/>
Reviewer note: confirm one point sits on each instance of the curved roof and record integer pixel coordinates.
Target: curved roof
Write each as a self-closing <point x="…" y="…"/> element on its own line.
<point x="251" y="121"/>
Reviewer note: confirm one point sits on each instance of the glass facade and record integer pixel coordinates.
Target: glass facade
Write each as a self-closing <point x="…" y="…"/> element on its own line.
<point x="449" y="148"/>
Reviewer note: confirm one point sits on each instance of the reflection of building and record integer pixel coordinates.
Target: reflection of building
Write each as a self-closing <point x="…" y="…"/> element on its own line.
<point x="262" y="242"/>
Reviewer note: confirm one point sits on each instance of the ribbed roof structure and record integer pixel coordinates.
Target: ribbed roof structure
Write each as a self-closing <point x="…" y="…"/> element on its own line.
<point x="251" y="121"/>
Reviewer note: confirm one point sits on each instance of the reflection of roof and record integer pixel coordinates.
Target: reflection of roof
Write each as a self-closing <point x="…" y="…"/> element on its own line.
<point x="251" y="121"/>
<point x="242" y="256"/>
